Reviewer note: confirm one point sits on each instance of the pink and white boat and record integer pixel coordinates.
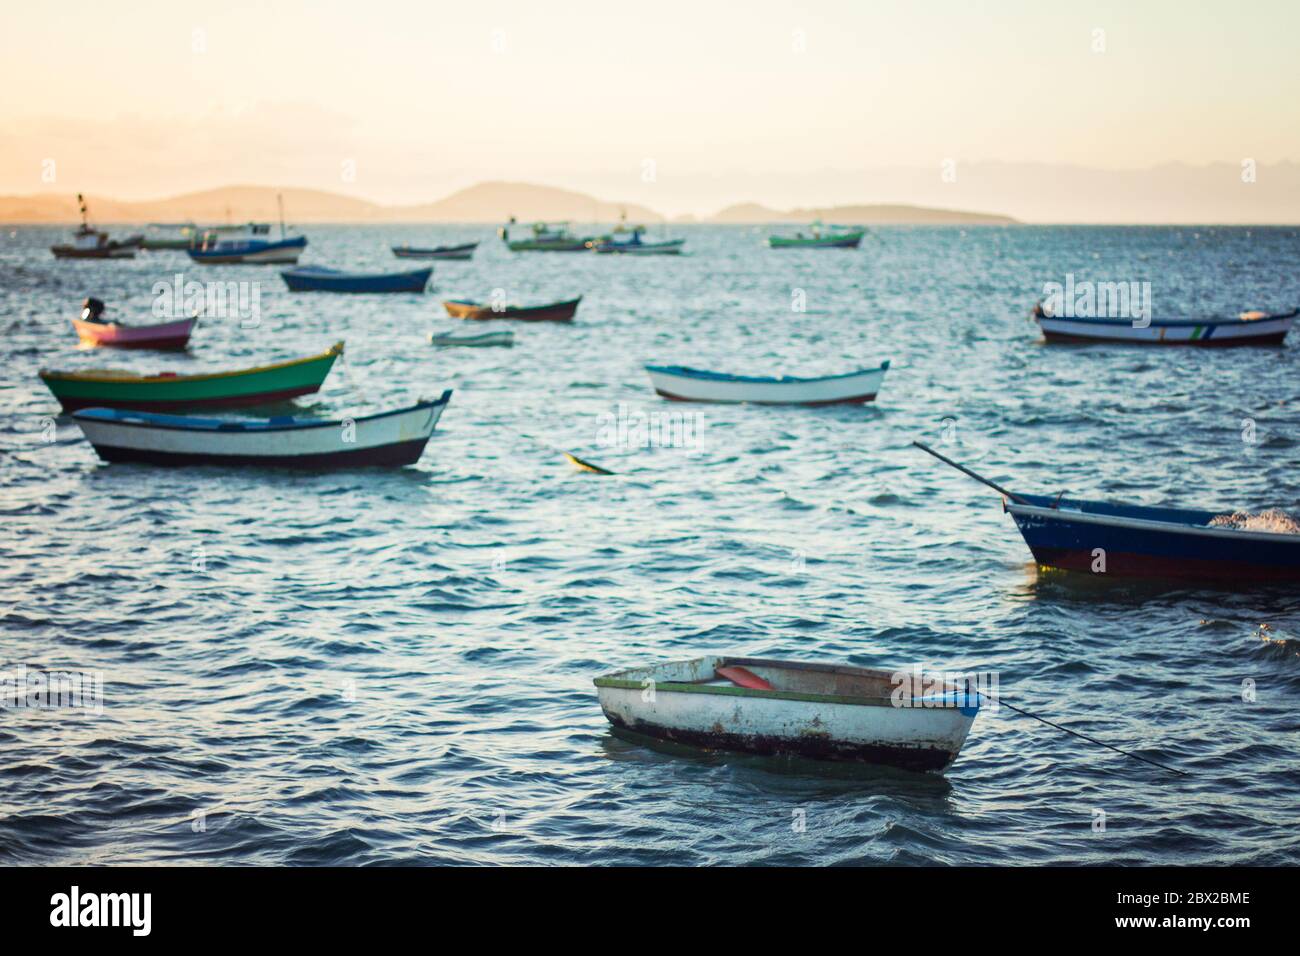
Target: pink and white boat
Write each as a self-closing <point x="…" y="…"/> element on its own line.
<point x="166" y="335"/>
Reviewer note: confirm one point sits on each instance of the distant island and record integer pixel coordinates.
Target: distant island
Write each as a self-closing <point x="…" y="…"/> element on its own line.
<point x="492" y="202"/>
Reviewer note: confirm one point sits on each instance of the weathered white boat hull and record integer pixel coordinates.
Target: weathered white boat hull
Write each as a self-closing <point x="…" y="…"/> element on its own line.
<point x="681" y="707"/>
<point x="386" y="439"/>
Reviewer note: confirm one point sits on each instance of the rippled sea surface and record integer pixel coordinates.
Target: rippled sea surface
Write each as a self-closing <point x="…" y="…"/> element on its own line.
<point x="395" y="666"/>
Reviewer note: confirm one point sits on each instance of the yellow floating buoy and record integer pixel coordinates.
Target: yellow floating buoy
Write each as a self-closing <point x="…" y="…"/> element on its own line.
<point x="586" y="465"/>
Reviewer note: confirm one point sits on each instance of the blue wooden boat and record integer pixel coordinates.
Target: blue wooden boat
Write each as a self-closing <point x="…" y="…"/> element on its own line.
<point x="321" y="279"/>
<point x="219" y="251"/>
<point x="1136" y="541"/>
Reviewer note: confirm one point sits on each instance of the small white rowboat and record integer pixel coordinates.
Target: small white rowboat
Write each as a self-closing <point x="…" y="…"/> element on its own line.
<point x="816" y="711"/>
<point x="504" y="338"/>
<point x="694" y="385"/>
<point x="389" y="439"/>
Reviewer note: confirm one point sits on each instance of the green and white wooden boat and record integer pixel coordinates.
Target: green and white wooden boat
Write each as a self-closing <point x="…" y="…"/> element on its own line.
<point x="815" y="711"/>
<point x="821" y="237"/>
<point x="546" y="237"/>
<point x="167" y="391"/>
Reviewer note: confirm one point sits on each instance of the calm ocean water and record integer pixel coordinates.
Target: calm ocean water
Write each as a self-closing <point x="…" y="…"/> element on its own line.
<point x="395" y="667"/>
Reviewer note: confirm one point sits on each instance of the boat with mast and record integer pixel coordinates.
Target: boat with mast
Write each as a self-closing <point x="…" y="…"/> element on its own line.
<point x="90" y="243"/>
<point x="546" y="237"/>
<point x="251" y="246"/>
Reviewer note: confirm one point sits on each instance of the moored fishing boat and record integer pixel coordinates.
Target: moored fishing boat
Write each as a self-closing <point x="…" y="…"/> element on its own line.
<point x="820" y="237"/>
<point x="249" y="244"/>
<point x="1119" y="540"/>
<point x="546" y="237"/>
<point x="321" y="279"/>
<point x="1249" y="328"/>
<point x="462" y="251"/>
<point x="167" y="391"/>
<point x="636" y="246"/>
<point x="695" y="385"/>
<point x="88" y="243"/>
<point x="504" y="338"/>
<point x="218" y="250"/>
<point x="815" y="711"/>
<point x="1137" y="541"/>
<point x="391" y="439"/>
<point x="550" y="312"/>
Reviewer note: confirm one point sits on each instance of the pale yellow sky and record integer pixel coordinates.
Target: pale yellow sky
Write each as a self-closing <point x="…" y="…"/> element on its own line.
<point x="403" y="102"/>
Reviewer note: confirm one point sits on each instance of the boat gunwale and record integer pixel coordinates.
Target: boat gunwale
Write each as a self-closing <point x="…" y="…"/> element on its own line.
<point x="1148" y="524"/>
<point x="46" y="375"/>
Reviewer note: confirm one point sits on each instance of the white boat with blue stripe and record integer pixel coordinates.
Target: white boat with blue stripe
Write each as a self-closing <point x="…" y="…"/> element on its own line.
<point x="682" y="384"/>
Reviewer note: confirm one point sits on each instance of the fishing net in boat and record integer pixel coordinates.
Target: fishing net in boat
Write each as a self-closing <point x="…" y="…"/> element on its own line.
<point x="1274" y="520"/>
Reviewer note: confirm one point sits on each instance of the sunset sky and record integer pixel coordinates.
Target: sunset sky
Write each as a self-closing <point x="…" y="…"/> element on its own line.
<point x="756" y="101"/>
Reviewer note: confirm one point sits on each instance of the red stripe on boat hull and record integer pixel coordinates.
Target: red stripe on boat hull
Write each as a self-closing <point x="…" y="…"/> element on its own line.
<point x="72" y="404"/>
<point x="854" y="400"/>
<point x="1131" y="565"/>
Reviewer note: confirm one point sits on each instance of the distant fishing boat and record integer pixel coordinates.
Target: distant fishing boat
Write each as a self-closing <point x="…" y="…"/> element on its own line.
<point x="821" y="237"/>
<point x="167" y="391"/>
<point x="170" y="235"/>
<point x="636" y="246"/>
<point x="1249" y="328"/>
<point x="391" y="439"/>
<point x="788" y="708"/>
<point x="93" y="331"/>
<point x="1137" y="541"/>
<point x="695" y="385"/>
<point x="321" y="279"/>
<point x="546" y="237"/>
<point x="215" y="250"/>
<point x="88" y="243"/>
<point x="551" y="312"/>
<point x="249" y="245"/>
<point x="463" y="251"/>
<point x="504" y="338"/>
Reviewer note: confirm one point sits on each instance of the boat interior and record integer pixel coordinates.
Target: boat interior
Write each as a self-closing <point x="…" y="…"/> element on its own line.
<point x="793" y="677"/>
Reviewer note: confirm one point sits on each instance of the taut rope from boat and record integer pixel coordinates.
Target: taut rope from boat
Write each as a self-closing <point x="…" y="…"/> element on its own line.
<point x="1101" y="743"/>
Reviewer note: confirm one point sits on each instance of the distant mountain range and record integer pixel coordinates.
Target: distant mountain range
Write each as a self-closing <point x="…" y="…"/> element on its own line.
<point x="486" y="202"/>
